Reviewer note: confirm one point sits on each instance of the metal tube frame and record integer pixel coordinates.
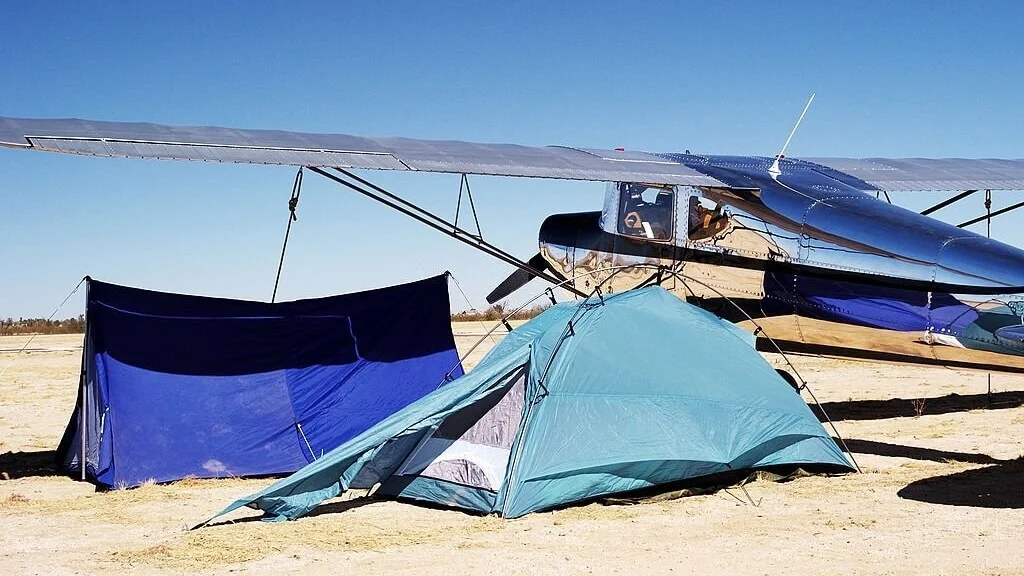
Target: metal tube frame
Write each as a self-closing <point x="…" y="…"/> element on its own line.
<point x="464" y="183"/>
<point x="991" y="215"/>
<point x="947" y="202"/>
<point x="374" y="192"/>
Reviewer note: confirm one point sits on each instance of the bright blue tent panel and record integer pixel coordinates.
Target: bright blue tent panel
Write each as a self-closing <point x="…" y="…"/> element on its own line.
<point x="183" y="386"/>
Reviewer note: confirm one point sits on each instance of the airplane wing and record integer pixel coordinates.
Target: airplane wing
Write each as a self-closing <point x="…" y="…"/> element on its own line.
<point x="945" y="174"/>
<point x="215" y="144"/>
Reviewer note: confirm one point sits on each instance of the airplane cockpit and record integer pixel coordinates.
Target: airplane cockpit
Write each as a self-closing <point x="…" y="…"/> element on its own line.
<point x="704" y="218"/>
<point x="645" y="211"/>
<point x="649" y="212"/>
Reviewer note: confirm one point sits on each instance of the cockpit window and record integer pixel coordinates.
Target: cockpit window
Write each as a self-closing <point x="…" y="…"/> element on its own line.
<point x="646" y="211"/>
<point x="704" y="218"/>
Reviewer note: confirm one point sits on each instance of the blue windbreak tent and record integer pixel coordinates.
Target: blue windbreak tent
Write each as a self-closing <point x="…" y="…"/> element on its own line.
<point x="627" y="392"/>
<point x="175" y="386"/>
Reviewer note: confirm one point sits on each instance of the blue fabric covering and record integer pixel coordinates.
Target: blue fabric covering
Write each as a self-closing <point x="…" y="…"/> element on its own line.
<point x="644" y="389"/>
<point x="180" y="386"/>
<point x="864" y="304"/>
<point x="988" y="327"/>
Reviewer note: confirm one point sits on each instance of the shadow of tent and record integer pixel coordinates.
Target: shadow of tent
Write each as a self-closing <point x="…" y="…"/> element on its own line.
<point x="329" y="508"/>
<point x="916" y="453"/>
<point x="904" y="407"/>
<point x="995" y="486"/>
<point x="27" y="464"/>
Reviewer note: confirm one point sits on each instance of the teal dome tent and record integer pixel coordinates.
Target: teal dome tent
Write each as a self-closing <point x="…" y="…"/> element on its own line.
<point x="590" y="398"/>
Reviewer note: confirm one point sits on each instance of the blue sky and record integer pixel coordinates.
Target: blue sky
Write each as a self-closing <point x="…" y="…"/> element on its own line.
<point x="926" y="79"/>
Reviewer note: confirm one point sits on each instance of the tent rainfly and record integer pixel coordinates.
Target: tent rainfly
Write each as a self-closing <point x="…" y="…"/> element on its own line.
<point x="610" y="395"/>
<point x="174" y="386"/>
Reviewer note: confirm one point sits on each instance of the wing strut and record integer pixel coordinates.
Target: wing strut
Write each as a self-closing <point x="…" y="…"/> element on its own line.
<point x="464" y="183"/>
<point x="947" y="202"/>
<point x="990" y="215"/>
<point x="374" y="192"/>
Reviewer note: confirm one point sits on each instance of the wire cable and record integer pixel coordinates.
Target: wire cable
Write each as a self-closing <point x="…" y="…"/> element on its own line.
<point x="57" y="309"/>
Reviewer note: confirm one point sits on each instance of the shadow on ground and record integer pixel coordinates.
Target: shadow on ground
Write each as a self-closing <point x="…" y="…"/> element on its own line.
<point x="915" y="453"/>
<point x="27" y="464"/>
<point x="904" y="407"/>
<point x="329" y="508"/>
<point x="995" y="486"/>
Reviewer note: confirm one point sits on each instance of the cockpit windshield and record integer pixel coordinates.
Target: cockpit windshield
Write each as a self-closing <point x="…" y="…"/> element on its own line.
<point x="645" y="211"/>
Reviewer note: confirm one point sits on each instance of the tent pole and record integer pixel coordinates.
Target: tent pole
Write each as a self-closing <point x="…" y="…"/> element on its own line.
<point x="81" y="418"/>
<point x="83" y="412"/>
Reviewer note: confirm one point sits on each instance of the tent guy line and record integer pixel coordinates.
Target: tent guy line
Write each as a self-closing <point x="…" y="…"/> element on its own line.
<point x="48" y="318"/>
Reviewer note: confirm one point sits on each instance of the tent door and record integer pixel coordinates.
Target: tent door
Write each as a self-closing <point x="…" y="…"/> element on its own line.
<point x="472" y="446"/>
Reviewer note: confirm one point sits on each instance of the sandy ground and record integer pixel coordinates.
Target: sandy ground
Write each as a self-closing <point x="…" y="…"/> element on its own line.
<point x="942" y="493"/>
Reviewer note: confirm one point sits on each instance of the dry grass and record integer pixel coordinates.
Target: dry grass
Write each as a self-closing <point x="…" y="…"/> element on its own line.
<point x="14" y="500"/>
<point x="118" y="506"/>
<point x="236" y="543"/>
<point x="602" y="512"/>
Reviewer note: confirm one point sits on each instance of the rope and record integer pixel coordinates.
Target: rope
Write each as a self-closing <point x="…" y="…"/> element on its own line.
<point x="57" y="309"/>
<point x="293" y="203"/>
<point x="298" y="427"/>
<point x="471" y="307"/>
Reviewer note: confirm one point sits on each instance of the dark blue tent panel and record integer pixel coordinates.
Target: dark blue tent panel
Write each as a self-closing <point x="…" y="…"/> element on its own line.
<point x="177" y="386"/>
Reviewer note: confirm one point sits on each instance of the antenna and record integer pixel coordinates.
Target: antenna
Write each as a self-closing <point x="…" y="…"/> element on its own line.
<point x="774" y="169"/>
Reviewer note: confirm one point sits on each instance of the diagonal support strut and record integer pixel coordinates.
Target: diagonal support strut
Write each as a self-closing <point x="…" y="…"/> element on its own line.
<point x="990" y="216"/>
<point x="947" y="202"/>
<point x="374" y="192"/>
<point x="464" y="184"/>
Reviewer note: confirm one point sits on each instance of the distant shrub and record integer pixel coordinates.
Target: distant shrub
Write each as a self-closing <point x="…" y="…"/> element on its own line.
<point x="12" y="327"/>
<point x="496" y="312"/>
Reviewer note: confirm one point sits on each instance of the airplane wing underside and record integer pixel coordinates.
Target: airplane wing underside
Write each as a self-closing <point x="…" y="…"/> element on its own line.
<point x="918" y="174"/>
<point x="215" y="144"/>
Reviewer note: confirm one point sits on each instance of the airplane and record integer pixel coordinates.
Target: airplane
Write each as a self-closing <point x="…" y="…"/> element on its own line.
<point x="804" y="253"/>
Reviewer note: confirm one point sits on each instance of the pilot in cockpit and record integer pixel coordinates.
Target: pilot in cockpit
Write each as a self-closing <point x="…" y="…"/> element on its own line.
<point x="646" y="212"/>
<point x="704" y="222"/>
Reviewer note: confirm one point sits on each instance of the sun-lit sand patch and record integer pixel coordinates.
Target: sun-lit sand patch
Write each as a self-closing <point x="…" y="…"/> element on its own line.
<point x="940" y="493"/>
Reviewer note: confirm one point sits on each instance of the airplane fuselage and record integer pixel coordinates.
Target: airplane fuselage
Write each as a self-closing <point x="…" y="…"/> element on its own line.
<point x="821" y="265"/>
